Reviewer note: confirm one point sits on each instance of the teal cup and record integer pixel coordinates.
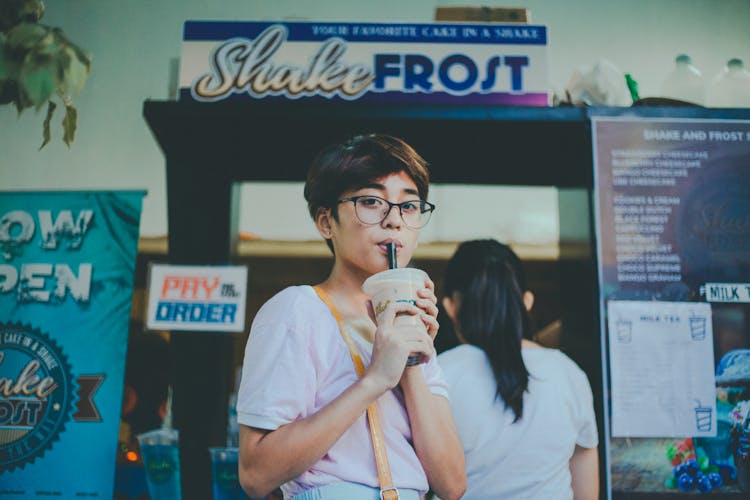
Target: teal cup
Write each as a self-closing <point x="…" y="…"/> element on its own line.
<point x="161" y="460"/>
<point x="225" y="474"/>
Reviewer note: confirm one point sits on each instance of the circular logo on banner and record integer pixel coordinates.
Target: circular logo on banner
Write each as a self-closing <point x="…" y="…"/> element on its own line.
<point x="36" y="394"/>
<point x="713" y="228"/>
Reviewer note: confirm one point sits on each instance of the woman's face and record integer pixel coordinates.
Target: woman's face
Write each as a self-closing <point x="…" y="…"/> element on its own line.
<point x="362" y="247"/>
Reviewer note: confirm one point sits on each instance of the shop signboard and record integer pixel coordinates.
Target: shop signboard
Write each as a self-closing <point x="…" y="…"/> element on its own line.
<point x="437" y="63"/>
<point x="197" y="298"/>
<point x="67" y="262"/>
<point x="673" y="236"/>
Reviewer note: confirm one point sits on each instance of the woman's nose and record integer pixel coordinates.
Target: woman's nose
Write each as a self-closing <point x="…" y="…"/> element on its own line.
<point x="392" y="217"/>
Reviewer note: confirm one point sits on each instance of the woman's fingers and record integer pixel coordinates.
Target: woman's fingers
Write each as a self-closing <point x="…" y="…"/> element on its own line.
<point x="428" y="293"/>
<point x="421" y="346"/>
<point x="432" y="325"/>
<point x="388" y="316"/>
<point x="428" y="306"/>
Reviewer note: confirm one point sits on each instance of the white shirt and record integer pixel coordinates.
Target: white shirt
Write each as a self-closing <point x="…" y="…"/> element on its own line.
<point x="296" y="363"/>
<point x="529" y="458"/>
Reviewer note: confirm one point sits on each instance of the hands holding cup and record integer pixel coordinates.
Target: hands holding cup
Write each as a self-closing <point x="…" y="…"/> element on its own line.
<point x="403" y="305"/>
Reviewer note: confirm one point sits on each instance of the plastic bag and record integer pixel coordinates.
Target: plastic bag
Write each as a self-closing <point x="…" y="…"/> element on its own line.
<point x="601" y="84"/>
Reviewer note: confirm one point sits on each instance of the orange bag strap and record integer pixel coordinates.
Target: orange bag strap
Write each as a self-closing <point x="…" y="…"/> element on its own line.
<point x="387" y="490"/>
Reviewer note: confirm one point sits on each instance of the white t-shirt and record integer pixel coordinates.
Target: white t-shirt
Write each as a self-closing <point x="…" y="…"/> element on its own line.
<point x="296" y="363"/>
<point x="529" y="458"/>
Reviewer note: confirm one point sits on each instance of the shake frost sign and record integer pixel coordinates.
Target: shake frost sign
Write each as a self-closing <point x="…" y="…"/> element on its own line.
<point x="66" y="281"/>
<point x="482" y="63"/>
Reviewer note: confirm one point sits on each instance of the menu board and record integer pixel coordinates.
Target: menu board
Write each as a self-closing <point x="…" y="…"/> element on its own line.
<point x="673" y="241"/>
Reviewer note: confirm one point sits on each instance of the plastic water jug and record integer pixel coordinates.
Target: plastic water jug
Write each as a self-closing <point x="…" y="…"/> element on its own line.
<point x="685" y="82"/>
<point x="731" y="87"/>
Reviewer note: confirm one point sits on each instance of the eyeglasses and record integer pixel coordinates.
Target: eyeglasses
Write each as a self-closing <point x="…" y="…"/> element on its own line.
<point x="374" y="209"/>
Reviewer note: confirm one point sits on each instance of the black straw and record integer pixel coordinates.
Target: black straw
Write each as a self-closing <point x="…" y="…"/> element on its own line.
<point x="392" y="263"/>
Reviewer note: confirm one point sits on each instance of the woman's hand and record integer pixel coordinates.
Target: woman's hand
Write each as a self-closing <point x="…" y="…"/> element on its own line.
<point x="392" y="345"/>
<point x="427" y="302"/>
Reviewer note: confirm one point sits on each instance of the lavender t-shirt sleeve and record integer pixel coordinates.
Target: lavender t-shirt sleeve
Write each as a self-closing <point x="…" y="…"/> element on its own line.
<point x="278" y="377"/>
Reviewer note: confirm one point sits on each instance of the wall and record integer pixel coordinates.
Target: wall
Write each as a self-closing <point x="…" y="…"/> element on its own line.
<point x="134" y="42"/>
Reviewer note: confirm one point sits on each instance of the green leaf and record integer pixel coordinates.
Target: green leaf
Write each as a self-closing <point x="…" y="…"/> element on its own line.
<point x="32" y="10"/>
<point x="37" y="83"/>
<point x="23" y="37"/>
<point x="70" y="122"/>
<point x="13" y="12"/>
<point x="20" y="103"/>
<point x="8" y="67"/>
<point x="8" y="91"/>
<point x="73" y="73"/>
<point x="45" y="131"/>
<point x="84" y="57"/>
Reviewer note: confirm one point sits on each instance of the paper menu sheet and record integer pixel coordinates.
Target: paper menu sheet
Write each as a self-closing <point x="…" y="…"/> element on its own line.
<point x="661" y="369"/>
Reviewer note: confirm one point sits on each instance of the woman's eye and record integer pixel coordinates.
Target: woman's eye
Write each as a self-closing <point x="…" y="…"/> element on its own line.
<point x="370" y="202"/>
<point x="410" y="207"/>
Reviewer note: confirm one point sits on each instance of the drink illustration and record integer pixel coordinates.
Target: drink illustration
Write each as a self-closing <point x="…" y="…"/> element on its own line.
<point x="624" y="331"/>
<point x="703" y="417"/>
<point x="697" y="327"/>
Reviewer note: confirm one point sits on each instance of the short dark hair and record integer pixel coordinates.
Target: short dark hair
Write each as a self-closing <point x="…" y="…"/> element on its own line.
<point x="357" y="162"/>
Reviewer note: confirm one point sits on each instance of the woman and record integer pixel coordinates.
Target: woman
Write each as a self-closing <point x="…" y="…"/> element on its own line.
<point x="524" y="413"/>
<point x="301" y="405"/>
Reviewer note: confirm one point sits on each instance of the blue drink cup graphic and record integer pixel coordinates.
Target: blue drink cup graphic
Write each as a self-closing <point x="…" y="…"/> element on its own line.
<point x="697" y="327"/>
<point x="161" y="459"/>
<point x="224" y="472"/>
<point x="624" y="330"/>
<point x="703" y="417"/>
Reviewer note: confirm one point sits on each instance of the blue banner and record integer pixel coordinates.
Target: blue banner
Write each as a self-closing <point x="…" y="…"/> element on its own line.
<point x="67" y="262"/>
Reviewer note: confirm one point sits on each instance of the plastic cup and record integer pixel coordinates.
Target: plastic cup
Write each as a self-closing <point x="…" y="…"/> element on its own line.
<point x="161" y="459"/>
<point x="397" y="285"/>
<point x="225" y="474"/>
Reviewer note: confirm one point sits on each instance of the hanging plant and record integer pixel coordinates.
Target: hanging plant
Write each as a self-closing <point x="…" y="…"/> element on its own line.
<point x="38" y="65"/>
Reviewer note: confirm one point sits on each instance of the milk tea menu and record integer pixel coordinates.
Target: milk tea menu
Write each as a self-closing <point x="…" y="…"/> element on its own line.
<point x="673" y="241"/>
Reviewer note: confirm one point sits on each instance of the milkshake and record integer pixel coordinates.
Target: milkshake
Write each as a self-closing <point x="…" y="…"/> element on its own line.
<point x="397" y="285"/>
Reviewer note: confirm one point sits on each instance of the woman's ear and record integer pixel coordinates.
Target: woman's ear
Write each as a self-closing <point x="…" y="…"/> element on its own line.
<point x="450" y="308"/>
<point x="323" y="222"/>
<point x="528" y="300"/>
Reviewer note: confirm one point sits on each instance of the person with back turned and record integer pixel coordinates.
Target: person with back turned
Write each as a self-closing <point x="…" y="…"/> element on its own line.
<point x="524" y="413"/>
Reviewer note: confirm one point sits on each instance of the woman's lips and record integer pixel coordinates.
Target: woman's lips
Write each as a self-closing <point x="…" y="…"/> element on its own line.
<point x="384" y="246"/>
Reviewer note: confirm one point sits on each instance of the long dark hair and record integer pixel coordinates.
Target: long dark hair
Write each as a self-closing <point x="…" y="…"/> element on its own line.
<point x="489" y="280"/>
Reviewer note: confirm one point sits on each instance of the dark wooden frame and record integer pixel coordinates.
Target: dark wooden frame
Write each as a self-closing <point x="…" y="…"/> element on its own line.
<point x="209" y="147"/>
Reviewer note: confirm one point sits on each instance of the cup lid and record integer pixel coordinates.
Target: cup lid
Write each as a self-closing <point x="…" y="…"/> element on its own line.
<point x="401" y="273"/>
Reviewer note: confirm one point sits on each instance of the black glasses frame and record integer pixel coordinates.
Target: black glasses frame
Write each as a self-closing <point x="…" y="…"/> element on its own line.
<point x="425" y="207"/>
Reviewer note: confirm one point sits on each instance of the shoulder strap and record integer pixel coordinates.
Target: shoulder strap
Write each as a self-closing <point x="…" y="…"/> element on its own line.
<point x="387" y="490"/>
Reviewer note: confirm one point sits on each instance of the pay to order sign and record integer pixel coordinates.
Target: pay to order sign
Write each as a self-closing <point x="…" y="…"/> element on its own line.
<point x="441" y="62"/>
<point x="197" y="298"/>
